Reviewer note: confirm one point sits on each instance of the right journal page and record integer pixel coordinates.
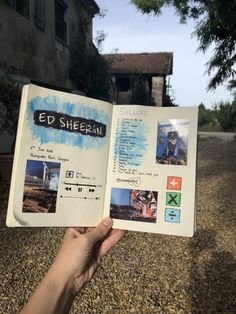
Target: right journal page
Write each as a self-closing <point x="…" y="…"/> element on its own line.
<point x="151" y="178"/>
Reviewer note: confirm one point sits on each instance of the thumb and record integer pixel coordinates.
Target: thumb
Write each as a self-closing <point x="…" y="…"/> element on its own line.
<point x="101" y="230"/>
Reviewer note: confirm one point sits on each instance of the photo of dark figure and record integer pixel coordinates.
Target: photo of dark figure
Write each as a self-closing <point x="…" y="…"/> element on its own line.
<point x="136" y="205"/>
<point x="172" y="144"/>
<point x="40" y="188"/>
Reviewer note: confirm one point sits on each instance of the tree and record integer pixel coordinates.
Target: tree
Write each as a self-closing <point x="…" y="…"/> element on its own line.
<point x="226" y="115"/>
<point x="88" y="68"/>
<point x="204" y="116"/>
<point x="215" y="24"/>
<point x="232" y="88"/>
<point x="99" y="39"/>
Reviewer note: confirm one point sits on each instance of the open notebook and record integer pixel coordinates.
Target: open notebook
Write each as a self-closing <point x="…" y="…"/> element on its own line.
<point x="78" y="160"/>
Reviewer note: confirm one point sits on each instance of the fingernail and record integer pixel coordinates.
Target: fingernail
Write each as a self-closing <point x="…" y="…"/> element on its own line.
<point x="107" y="221"/>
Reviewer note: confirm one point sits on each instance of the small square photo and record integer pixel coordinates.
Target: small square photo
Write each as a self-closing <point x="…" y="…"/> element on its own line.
<point x="136" y="205"/>
<point x="172" y="142"/>
<point x="41" y="185"/>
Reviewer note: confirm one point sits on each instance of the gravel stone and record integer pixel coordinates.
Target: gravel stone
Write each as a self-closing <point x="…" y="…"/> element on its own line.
<point x="144" y="273"/>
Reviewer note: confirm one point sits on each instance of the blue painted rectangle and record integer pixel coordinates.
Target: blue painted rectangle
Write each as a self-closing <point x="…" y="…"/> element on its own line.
<point x="172" y="215"/>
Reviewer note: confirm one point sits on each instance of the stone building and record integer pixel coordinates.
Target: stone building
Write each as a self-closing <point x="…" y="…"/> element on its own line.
<point x="41" y="42"/>
<point x="39" y="39"/>
<point x="139" y="78"/>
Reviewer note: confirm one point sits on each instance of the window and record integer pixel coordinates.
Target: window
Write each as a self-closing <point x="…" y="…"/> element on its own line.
<point x="21" y="6"/>
<point x="39" y="13"/>
<point x="123" y="84"/>
<point x="60" y="24"/>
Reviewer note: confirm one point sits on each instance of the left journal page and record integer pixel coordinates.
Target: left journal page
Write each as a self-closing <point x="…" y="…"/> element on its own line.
<point x="60" y="161"/>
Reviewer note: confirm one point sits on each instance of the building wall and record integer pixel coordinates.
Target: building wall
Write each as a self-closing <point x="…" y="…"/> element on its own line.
<point x="158" y="90"/>
<point x="146" y="91"/>
<point x="30" y="51"/>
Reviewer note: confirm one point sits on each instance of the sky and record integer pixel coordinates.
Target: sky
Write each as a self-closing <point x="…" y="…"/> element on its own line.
<point x="35" y="167"/>
<point x="120" y="196"/>
<point x="130" y="31"/>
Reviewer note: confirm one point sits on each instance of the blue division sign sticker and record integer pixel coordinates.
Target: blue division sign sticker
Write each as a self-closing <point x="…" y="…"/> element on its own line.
<point x="172" y="215"/>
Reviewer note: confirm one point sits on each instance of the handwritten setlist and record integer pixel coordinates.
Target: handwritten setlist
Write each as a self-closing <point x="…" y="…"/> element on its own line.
<point x="130" y="145"/>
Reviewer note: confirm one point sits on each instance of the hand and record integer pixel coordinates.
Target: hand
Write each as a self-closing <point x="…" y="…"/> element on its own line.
<point x="82" y="250"/>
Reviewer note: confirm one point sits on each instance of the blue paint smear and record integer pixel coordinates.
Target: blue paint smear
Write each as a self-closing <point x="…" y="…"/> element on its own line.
<point x="50" y="135"/>
<point x="136" y="146"/>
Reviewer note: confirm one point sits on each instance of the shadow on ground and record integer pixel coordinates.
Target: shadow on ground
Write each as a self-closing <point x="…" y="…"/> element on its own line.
<point x="213" y="280"/>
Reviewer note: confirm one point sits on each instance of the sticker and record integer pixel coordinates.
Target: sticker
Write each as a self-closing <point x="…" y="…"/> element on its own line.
<point x="174" y="183"/>
<point x="172" y="215"/>
<point x="69" y="174"/>
<point x="173" y="199"/>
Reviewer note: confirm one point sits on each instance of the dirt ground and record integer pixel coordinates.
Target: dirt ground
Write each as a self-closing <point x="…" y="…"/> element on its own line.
<point x="145" y="273"/>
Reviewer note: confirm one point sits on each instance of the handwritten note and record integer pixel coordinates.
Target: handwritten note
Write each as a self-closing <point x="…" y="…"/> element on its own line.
<point x="40" y="153"/>
<point x="130" y="145"/>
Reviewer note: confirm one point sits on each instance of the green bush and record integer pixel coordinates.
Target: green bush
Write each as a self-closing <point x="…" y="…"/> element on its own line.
<point x="205" y="116"/>
<point x="222" y="116"/>
<point x="226" y="115"/>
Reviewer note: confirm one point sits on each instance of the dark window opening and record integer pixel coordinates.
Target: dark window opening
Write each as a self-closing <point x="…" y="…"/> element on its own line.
<point x="60" y="24"/>
<point x="123" y="84"/>
<point x="39" y="13"/>
<point x="21" y="6"/>
<point x="150" y="89"/>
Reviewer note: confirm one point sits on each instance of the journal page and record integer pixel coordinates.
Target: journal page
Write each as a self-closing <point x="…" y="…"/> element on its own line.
<point x="152" y="169"/>
<point x="60" y="163"/>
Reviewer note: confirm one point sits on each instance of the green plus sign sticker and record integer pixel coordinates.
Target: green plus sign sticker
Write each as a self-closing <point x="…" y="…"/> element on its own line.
<point x="173" y="199"/>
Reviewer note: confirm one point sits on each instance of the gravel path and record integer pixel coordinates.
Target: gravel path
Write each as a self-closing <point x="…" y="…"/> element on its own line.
<point x="224" y="136"/>
<point x="145" y="273"/>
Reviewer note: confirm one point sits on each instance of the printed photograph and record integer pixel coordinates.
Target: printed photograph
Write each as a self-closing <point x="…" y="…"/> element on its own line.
<point x="40" y="188"/>
<point x="172" y="142"/>
<point x="136" y="205"/>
